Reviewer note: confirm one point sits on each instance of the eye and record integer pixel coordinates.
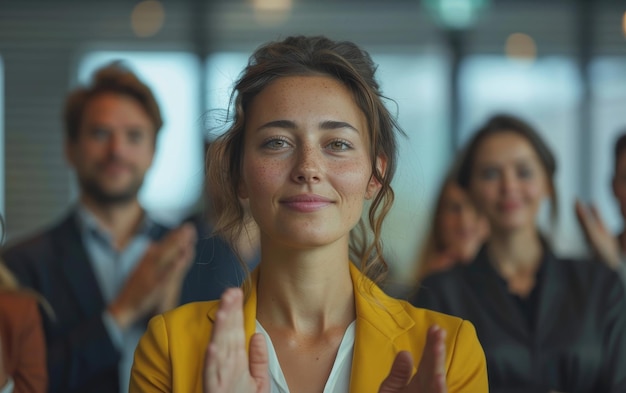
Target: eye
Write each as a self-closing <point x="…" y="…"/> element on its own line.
<point x="135" y="136"/>
<point x="524" y="173"/>
<point x="453" y="207"/>
<point x="489" y="173"/>
<point x="276" y="143"/>
<point x="339" y="145"/>
<point x="99" y="133"/>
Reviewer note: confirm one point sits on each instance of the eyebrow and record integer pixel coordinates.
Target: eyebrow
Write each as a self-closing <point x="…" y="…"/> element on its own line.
<point x="516" y="161"/>
<point x="325" y="125"/>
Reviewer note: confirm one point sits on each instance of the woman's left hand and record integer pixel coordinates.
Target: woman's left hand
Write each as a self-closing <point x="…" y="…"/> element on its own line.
<point x="431" y="374"/>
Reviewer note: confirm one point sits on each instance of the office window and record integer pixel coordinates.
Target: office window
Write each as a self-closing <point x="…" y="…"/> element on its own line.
<point x="608" y="77"/>
<point x="545" y="93"/>
<point x="174" y="183"/>
<point x="222" y="71"/>
<point x="417" y="84"/>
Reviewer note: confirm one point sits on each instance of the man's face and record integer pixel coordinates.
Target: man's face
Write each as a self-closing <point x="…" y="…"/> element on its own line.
<point x="114" y="148"/>
<point x="619" y="182"/>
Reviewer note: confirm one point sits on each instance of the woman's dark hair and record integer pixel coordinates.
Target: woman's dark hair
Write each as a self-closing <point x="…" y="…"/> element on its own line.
<point x="500" y="124"/>
<point x="302" y="56"/>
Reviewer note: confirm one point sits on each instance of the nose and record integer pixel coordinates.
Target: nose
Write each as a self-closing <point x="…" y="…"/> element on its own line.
<point x="509" y="182"/>
<point x="116" y="144"/>
<point x="307" y="168"/>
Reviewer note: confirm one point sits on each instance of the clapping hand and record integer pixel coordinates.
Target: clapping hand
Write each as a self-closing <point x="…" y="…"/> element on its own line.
<point x="228" y="368"/>
<point x="600" y="239"/>
<point x="430" y="376"/>
<point x="154" y="285"/>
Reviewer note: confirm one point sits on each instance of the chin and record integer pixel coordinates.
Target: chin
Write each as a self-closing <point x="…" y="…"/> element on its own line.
<point x="511" y="226"/>
<point x="303" y="239"/>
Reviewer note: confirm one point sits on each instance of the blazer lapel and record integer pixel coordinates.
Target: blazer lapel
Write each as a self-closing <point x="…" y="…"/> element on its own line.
<point x="76" y="266"/>
<point x="378" y="322"/>
<point x="249" y="308"/>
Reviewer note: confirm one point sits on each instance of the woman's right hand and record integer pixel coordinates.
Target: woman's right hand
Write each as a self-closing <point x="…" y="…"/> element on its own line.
<point x="227" y="366"/>
<point x="431" y="374"/>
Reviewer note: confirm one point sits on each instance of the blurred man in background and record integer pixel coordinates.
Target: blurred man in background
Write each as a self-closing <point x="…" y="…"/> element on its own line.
<point x="609" y="248"/>
<point x="107" y="267"/>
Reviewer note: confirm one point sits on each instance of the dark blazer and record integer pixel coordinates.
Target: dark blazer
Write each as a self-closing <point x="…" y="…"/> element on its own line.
<point x="577" y="342"/>
<point x="23" y="346"/>
<point x="81" y="355"/>
<point x="216" y="266"/>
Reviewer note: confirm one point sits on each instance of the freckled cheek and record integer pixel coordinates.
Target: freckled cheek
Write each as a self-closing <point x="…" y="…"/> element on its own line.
<point x="262" y="177"/>
<point x="353" y="181"/>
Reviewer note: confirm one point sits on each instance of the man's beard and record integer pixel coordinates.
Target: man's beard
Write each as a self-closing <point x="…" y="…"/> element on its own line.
<point x="94" y="190"/>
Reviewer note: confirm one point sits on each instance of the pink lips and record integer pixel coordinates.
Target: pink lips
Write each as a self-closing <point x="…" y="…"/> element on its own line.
<point x="509" y="206"/>
<point x="306" y="203"/>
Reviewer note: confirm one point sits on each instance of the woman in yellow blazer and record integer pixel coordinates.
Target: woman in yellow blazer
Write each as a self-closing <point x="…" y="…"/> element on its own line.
<point x="310" y="142"/>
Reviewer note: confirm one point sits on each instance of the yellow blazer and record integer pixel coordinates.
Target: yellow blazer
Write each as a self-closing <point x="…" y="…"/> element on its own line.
<point x="170" y="355"/>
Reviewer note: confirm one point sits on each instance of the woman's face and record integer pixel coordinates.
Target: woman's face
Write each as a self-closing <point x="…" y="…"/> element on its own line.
<point x="306" y="166"/>
<point x="461" y="228"/>
<point x="508" y="182"/>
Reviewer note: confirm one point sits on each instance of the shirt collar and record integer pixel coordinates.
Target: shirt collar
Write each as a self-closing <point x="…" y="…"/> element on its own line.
<point x="484" y="263"/>
<point x="88" y="223"/>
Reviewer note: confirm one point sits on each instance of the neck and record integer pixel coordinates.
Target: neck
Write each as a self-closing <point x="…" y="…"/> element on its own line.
<point x="120" y="220"/>
<point x="306" y="291"/>
<point x="515" y="252"/>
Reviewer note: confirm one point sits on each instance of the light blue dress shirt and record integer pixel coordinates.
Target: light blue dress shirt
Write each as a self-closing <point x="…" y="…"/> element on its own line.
<point x="112" y="268"/>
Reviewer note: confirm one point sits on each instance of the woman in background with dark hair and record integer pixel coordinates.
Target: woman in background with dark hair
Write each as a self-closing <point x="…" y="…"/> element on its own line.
<point x="457" y="231"/>
<point x="546" y="324"/>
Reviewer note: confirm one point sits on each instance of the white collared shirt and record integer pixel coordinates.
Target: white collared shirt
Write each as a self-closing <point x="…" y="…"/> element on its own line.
<point x="339" y="378"/>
